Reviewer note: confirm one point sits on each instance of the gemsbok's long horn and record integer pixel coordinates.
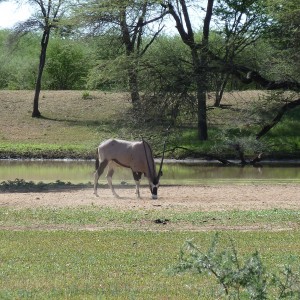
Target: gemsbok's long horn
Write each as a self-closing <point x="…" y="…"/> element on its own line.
<point x="161" y="163"/>
<point x="148" y="165"/>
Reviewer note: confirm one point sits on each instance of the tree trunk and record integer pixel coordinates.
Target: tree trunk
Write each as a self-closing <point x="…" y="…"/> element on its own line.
<point x="199" y="56"/>
<point x="202" y="116"/>
<point x="133" y="86"/>
<point x="220" y="90"/>
<point x="44" y="43"/>
<point x="200" y="72"/>
<point x="130" y="53"/>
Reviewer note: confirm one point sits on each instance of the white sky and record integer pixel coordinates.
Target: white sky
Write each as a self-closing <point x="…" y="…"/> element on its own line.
<point x="11" y="13"/>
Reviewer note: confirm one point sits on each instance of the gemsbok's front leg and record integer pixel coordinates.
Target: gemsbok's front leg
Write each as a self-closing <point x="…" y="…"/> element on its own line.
<point x="137" y="177"/>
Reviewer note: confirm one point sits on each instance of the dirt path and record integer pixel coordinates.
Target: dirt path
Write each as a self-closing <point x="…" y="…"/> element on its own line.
<point x="202" y="198"/>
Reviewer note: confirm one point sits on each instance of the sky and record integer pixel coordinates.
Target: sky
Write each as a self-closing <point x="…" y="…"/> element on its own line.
<point x="11" y="13"/>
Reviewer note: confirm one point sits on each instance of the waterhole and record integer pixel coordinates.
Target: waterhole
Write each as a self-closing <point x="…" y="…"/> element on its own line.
<point x="173" y="172"/>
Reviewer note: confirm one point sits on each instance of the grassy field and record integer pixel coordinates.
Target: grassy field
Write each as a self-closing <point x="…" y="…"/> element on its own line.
<point x="121" y="264"/>
<point x="107" y="253"/>
<point x="73" y="124"/>
<point x="103" y="253"/>
<point x="177" y="220"/>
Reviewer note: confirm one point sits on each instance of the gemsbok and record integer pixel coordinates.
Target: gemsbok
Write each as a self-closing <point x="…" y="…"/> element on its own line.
<point x="136" y="156"/>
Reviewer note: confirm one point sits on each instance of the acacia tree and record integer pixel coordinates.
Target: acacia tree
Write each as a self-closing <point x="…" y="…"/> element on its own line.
<point x="199" y="53"/>
<point x="132" y="27"/>
<point x="283" y="34"/>
<point x="242" y="23"/>
<point x="48" y="15"/>
<point x="130" y="19"/>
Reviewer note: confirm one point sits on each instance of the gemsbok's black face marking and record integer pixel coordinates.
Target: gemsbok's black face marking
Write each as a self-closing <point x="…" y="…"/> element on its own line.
<point x="136" y="156"/>
<point x="154" y="187"/>
<point x="154" y="192"/>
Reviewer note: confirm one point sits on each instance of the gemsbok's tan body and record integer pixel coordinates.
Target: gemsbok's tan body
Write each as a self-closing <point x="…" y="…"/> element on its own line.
<point x="134" y="155"/>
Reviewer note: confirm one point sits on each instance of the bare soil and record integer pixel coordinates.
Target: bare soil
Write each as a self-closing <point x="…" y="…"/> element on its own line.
<point x="181" y="198"/>
<point x="175" y="198"/>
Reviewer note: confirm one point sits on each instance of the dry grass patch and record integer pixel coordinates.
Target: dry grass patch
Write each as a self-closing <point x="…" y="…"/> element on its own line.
<point x="67" y="117"/>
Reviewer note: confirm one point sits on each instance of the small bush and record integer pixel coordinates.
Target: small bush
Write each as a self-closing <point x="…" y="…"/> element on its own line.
<point x="239" y="280"/>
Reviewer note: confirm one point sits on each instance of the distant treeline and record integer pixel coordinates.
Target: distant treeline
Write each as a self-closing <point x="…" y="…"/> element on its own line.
<point x="100" y="63"/>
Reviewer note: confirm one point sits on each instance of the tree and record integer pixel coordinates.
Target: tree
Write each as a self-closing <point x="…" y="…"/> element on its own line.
<point x="130" y="19"/>
<point x="170" y="90"/>
<point x="48" y="15"/>
<point x="241" y="23"/>
<point x="199" y="53"/>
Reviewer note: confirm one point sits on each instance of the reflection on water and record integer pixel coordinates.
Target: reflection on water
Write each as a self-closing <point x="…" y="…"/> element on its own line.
<point x="173" y="173"/>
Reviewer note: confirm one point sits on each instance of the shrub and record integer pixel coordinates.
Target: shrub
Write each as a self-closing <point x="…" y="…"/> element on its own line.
<point x="239" y="280"/>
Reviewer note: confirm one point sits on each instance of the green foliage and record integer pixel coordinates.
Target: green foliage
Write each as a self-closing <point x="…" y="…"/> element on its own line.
<point x="168" y="63"/>
<point x="86" y="95"/>
<point x="109" y="69"/>
<point x="108" y="75"/>
<point x="284" y="31"/>
<point x="236" y="127"/>
<point x="170" y="92"/>
<point x="18" y="64"/>
<point x="68" y="62"/>
<point x="287" y="282"/>
<point x="233" y="141"/>
<point x="239" y="280"/>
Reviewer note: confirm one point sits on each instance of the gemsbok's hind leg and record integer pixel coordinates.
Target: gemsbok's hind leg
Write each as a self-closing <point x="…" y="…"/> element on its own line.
<point x="109" y="175"/>
<point x="137" y="177"/>
<point x="98" y="172"/>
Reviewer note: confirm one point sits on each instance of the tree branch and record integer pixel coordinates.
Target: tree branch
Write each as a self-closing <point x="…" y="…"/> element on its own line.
<point x="272" y="85"/>
<point x="151" y="41"/>
<point x="186" y="37"/>
<point x="247" y="76"/>
<point x="282" y="111"/>
<point x="224" y="161"/>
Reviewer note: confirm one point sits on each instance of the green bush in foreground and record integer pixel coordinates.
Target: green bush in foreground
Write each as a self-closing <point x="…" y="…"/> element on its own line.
<point x="240" y="280"/>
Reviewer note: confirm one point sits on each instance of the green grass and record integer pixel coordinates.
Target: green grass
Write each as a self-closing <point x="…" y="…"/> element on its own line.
<point x="120" y="264"/>
<point x="139" y="219"/>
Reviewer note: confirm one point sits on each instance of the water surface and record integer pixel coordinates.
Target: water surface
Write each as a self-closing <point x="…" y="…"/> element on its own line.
<point x="173" y="173"/>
